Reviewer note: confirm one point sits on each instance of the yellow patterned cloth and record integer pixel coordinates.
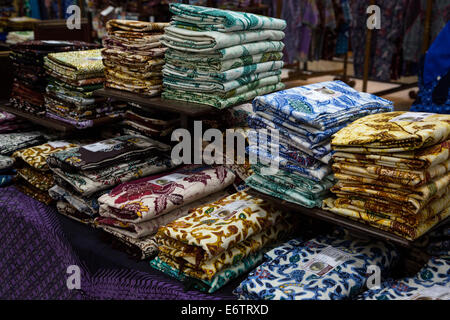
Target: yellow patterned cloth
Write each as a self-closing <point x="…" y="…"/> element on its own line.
<point x="208" y="269"/>
<point x="392" y="132"/>
<point x="387" y="224"/>
<point x="212" y="229"/>
<point x="36" y="157"/>
<point x="38" y="179"/>
<point x="76" y="65"/>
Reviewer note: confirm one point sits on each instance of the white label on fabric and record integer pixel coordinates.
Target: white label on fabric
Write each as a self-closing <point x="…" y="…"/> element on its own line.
<point x="230" y="209"/>
<point x="101" y="146"/>
<point x="325" y="261"/>
<point x="431" y="293"/>
<point x="57" y="42"/>
<point x="412" y="116"/>
<point x="322" y="94"/>
<point x="58" y="144"/>
<point x="162" y="181"/>
<point x="94" y="58"/>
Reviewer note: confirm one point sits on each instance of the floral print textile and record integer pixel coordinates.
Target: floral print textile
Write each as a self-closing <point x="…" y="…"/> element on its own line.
<point x="147" y="198"/>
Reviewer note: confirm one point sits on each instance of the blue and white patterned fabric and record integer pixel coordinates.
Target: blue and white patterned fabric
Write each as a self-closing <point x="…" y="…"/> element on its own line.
<point x="321" y="105"/>
<point x="317" y="174"/>
<point x="431" y="283"/>
<point x="318" y="151"/>
<point x="324" y="268"/>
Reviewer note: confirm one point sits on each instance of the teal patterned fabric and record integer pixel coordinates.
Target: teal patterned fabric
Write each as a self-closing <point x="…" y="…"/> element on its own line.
<point x="207" y="41"/>
<point x="219" y="280"/>
<point x="216" y="101"/>
<point x="225" y="55"/>
<point x="432" y="282"/>
<point x="204" y="18"/>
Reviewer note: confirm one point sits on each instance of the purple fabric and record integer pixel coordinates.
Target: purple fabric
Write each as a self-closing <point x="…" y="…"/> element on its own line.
<point x="36" y="252"/>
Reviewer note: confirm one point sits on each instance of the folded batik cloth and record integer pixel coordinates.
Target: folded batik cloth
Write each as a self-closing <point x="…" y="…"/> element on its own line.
<point x="321" y="151"/>
<point x="76" y="65"/>
<point x="178" y="59"/>
<point x="88" y="182"/>
<point x="71" y="212"/>
<point x="83" y="124"/>
<point x="220" y="88"/>
<point x="150" y="227"/>
<point x="85" y="205"/>
<point x="132" y="27"/>
<point x="432" y="282"/>
<point x="150" y="197"/>
<point x="6" y="162"/>
<point x="76" y="83"/>
<point x="10" y="142"/>
<point x="77" y="98"/>
<point x="404" y="230"/>
<point x="35" y="193"/>
<point x="221" y="103"/>
<point x="316" y="173"/>
<point x="418" y="159"/>
<point x="6" y="117"/>
<point x="142" y="248"/>
<point x="389" y="213"/>
<point x="36" y="156"/>
<point x="393" y="132"/>
<point x="228" y="58"/>
<point x="324" y="268"/>
<point x="321" y="105"/>
<point x="39" y="179"/>
<point x="229" y="75"/>
<point x="385" y="175"/>
<point x="6" y="177"/>
<point x="148" y="69"/>
<point x="107" y="152"/>
<point x="204" y="18"/>
<point x="209" y="41"/>
<point x="240" y="212"/>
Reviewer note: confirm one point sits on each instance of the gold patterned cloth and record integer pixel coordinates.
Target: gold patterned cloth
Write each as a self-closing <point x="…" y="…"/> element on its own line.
<point x="392" y="132"/>
<point x="393" y="172"/>
<point x="210" y="230"/>
<point x="36" y="156"/>
<point x="387" y="223"/>
<point x="133" y="56"/>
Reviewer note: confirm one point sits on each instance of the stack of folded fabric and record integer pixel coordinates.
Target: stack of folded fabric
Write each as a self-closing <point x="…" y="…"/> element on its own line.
<point x="34" y="176"/>
<point x="332" y="267"/>
<point x="75" y="75"/>
<point x="11" y="123"/>
<point x="133" y="56"/>
<point x="430" y="283"/>
<point x="151" y="123"/>
<point x="219" y="57"/>
<point x="393" y="172"/>
<point x="293" y="134"/>
<point x="15" y="37"/>
<point x="220" y="241"/>
<point x="11" y="142"/>
<point x="30" y="77"/>
<point x="136" y="209"/>
<point x="7" y="173"/>
<point x="85" y="173"/>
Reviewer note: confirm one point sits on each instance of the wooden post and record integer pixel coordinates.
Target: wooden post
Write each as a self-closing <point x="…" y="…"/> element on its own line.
<point x="427" y="27"/>
<point x="367" y="55"/>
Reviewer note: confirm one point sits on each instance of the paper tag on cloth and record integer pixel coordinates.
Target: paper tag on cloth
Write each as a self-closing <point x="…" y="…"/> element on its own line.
<point x="230" y="209"/>
<point x="412" y="116"/>
<point x="325" y="261"/>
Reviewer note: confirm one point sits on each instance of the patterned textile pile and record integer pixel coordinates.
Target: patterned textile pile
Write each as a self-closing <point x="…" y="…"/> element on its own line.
<point x="30" y="77"/>
<point x="324" y="268"/>
<point x="11" y="142"/>
<point x="11" y="123"/>
<point x="219" y="57"/>
<point x="150" y="123"/>
<point x="7" y="173"/>
<point x="83" y="174"/>
<point x="220" y="241"/>
<point x="430" y="283"/>
<point x="299" y="123"/>
<point x="393" y="172"/>
<point x="135" y="210"/>
<point x="133" y="56"/>
<point x="69" y="95"/>
<point x="34" y="175"/>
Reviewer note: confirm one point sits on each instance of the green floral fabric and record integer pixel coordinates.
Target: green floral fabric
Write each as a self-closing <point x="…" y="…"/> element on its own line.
<point x="204" y="18"/>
